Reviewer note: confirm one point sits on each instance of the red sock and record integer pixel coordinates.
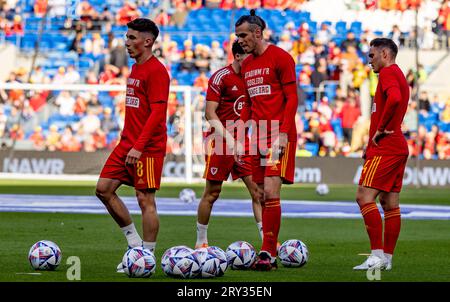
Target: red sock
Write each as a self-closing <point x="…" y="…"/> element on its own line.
<point x="392" y="223"/>
<point x="374" y="225"/>
<point x="271" y="220"/>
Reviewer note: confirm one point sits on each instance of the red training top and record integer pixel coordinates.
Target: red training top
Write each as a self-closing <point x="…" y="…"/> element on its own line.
<point x="388" y="109"/>
<point x="146" y="108"/>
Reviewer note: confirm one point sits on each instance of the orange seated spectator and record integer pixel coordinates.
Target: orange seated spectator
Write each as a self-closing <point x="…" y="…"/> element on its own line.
<point x="80" y="106"/>
<point x="128" y="12"/>
<point x="16" y="28"/>
<point x="68" y="142"/>
<point x="224" y="4"/>
<point x="108" y="74"/>
<point x="52" y="142"/>
<point x="99" y="137"/>
<point x="38" y="99"/>
<point x="194" y="4"/>
<point x="86" y="11"/>
<point x="162" y="19"/>
<point x="201" y="81"/>
<point x="172" y="104"/>
<point x="16" y="132"/>
<point x="38" y="139"/>
<point x="40" y="7"/>
<point x="387" y="4"/>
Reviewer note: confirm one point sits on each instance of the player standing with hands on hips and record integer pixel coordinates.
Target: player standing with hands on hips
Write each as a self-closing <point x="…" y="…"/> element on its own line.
<point x="385" y="156"/>
<point x="138" y="159"/>
<point x="270" y="80"/>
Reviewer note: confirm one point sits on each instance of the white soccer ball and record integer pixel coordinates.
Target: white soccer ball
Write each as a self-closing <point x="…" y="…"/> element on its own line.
<point x="240" y="255"/>
<point x="213" y="261"/>
<point x="45" y="255"/>
<point x="181" y="261"/>
<point x="187" y="195"/>
<point x="293" y="253"/>
<point x="322" y="189"/>
<point x="139" y="263"/>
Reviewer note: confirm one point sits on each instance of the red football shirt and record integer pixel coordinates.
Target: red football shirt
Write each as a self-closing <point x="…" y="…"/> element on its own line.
<point x="264" y="78"/>
<point x="388" y="109"/>
<point x="147" y="84"/>
<point x="226" y="87"/>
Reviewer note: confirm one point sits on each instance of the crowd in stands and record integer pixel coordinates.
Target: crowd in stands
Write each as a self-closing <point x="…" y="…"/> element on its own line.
<point x="331" y="65"/>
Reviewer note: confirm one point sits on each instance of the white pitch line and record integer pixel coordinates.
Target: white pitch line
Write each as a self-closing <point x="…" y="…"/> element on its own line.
<point x="34" y="274"/>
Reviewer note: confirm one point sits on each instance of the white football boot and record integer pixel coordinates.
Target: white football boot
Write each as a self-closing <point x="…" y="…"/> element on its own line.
<point x="372" y="262"/>
<point x="120" y="268"/>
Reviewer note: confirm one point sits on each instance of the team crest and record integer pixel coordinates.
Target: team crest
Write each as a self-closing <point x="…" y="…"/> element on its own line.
<point x="214" y="170"/>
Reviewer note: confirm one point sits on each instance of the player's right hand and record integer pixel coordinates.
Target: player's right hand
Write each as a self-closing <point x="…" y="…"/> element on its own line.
<point x="133" y="157"/>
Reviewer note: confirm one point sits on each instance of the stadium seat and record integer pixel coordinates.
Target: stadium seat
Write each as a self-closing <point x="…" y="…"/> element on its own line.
<point x="313" y="148"/>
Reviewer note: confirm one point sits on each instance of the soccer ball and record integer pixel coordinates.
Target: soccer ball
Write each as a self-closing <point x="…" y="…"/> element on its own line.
<point x="213" y="261"/>
<point x="293" y="253"/>
<point x="187" y="195"/>
<point x="181" y="262"/>
<point x="44" y="255"/>
<point x="166" y="264"/>
<point x="322" y="189"/>
<point x="139" y="263"/>
<point x="240" y="255"/>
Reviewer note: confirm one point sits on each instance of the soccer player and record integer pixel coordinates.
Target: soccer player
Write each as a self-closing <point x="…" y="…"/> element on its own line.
<point x="385" y="156"/>
<point x="138" y="158"/>
<point x="270" y="80"/>
<point x="224" y="101"/>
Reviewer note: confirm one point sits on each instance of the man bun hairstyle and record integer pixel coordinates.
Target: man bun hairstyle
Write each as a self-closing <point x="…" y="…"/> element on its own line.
<point x="385" y="43"/>
<point x="253" y="20"/>
<point x="144" y="25"/>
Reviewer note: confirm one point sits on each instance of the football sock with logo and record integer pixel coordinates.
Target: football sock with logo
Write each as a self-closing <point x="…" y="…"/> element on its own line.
<point x="149" y="245"/>
<point x="132" y="235"/>
<point x="260" y="229"/>
<point x="202" y="234"/>
<point x="271" y="220"/>
<point x="374" y="225"/>
<point x="392" y="224"/>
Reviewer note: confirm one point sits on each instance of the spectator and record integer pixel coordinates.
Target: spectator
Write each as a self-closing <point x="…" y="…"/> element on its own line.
<point x="90" y="122"/>
<point x="349" y="115"/>
<point x="38" y="139"/>
<point x="40" y="7"/>
<point x="410" y="119"/>
<point x="162" y="19"/>
<point x="128" y="12"/>
<point x="72" y="76"/>
<point x="118" y="55"/>
<point x="178" y="18"/>
<point x="66" y="103"/>
<point x="318" y="76"/>
<point x="52" y="142"/>
<point x="109" y="124"/>
<point x="201" y="81"/>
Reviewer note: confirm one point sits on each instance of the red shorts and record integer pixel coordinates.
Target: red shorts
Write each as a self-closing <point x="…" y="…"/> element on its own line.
<point x="145" y="174"/>
<point x="384" y="173"/>
<point x="284" y="167"/>
<point x="219" y="167"/>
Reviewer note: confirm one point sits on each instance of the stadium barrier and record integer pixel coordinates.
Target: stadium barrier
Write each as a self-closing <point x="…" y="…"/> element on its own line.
<point x="87" y="165"/>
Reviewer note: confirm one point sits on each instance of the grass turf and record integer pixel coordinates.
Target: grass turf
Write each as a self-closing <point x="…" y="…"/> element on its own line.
<point x="334" y="245"/>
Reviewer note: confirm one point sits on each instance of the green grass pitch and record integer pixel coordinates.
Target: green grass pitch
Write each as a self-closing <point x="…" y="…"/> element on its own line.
<point x="334" y="244"/>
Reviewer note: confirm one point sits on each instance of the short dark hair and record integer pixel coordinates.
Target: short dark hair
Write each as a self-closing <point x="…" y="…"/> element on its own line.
<point x="236" y="48"/>
<point x="144" y="25"/>
<point x="385" y="43"/>
<point x="251" y="19"/>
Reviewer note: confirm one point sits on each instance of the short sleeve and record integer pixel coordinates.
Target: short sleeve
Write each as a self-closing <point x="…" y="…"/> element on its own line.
<point x="215" y="84"/>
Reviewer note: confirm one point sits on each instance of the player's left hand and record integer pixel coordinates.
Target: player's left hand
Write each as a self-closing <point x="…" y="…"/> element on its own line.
<point x="379" y="134"/>
<point x="133" y="157"/>
<point x="280" y="144"/>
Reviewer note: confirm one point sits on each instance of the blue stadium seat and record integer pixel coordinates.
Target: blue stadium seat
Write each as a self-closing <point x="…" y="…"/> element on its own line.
<point x="337" y="128"/>
<point x="313" y="148"/>
<point x="341" y="27"/>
